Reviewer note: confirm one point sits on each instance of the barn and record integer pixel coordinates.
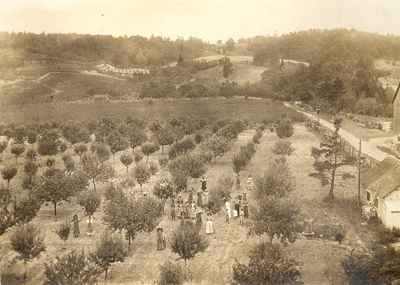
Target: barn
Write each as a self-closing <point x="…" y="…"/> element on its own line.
<point x="382" y="191"/>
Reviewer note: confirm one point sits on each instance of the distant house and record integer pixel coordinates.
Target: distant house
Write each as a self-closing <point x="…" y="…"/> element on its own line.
<point x="396" y="111"/>
<point x="382" y="191"/>
<point x="101" y="98"/>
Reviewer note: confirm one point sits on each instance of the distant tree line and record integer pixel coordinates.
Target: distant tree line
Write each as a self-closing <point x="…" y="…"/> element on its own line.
<point x="120" y="51"/>
<point x="341" y="75"/>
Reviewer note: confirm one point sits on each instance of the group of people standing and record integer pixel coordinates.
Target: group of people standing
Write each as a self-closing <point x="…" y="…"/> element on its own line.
<point x="194" y="209"/>
<point x="239" y="210"/>
<point x="191" y="209"/>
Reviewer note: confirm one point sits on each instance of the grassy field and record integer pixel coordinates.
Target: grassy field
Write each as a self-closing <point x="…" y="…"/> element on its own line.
<point x="243" y="73"/>
<point x="320" y="260"/>
<point x="252" y="110"/>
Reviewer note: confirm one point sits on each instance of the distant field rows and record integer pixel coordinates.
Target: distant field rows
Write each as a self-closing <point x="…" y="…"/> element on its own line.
<point x="252" y="110"/>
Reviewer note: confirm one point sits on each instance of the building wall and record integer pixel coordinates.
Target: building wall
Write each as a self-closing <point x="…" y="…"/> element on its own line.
<point x="396" y="115"/>
<point x="388" y="218"/>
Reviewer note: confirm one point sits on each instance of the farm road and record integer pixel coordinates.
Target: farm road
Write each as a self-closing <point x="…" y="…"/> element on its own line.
<point x="367" y="147"/>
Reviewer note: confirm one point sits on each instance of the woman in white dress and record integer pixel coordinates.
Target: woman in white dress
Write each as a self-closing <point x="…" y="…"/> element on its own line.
<point x="209" y="226"/>
<point x="228" y="212"/>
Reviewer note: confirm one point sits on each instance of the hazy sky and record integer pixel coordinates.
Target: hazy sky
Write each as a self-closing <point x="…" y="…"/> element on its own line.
<point x="208" y="19"/>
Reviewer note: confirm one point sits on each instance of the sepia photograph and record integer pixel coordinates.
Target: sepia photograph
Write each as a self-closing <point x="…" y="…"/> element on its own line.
<point x="199" y="142"/>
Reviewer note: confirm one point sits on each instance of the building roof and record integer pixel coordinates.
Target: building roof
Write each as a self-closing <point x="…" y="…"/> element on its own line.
<point x="383" y="179"/>
<point x="395" y="94"/>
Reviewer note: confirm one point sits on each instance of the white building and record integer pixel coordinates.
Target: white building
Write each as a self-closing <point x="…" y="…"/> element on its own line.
<point x="382" y="193"/>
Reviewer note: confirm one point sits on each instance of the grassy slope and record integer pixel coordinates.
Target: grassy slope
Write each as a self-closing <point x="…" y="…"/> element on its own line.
<point x="242" y="73"/>
<point x="254" y="110"/>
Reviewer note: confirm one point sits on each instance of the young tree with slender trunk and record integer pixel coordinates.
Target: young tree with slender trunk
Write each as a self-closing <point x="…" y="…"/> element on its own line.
<point x="149" y="148"/>
<point x="90" y="201"/>
<point x="329" y="158"/>
<point x="142" y="174"/>
<point x="17" y="150"/>
<point x="28" y="242"/>
<point x="187" y="241"/>
<point x="8" y="173"/>
<point x="126" y="159"/>
<point x="109" y="250"/>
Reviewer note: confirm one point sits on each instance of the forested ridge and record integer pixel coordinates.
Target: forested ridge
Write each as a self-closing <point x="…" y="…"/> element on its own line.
<point x="342" y="73"/>
<point x="120" y="51"/>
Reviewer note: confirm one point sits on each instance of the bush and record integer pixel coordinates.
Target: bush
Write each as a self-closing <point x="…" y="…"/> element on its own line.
<point x="284" y="129"/>
<point x="257" y="136"/>
<point x="153" y="167"/>
<point x="181" y="147"/>
<point x="63" y="230"/>
<point x="218" y="194"/>
<point x="163" y="161"/>
<point x="198" y="138"/>
<point x="267" y="265"/>
<point x="283" y="147"/>
<point x="73" y="269"/>
<point x="387" y="236"/>
<point x="171" y="274"/>
<point x="138" y="156"/>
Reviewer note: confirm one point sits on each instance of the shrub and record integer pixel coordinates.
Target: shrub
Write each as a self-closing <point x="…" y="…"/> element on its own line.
<point x="386" y="236"/>
<point x="198" y="138"/>
<point x="153" y="167"/>
<point x="267" y="265"/>
<point x="187" y="241"/>
<point x="284" y="129"/>
<point x="163" y="161"/>
<point x="73" y="269"/>
<point x="138" y="156"/>
<point x="171" y="274"/>
<point x="63" y="230"/>
<point x="163" y="189"/>
<point x="218" y="194"/>
<point x="283" y="147"/>
<point x="181" y="147"/>
<point x="257" y="136"/>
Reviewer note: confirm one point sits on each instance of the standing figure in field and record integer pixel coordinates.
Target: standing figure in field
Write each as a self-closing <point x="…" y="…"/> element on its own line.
<point x="199" y="219"/>
<point x="209" y="225"/>
<point x="193" y="210"/>
<point x="200" y="198"/>
<point x="236" y="208"/>
<point x="75" y="221"/>
<point x="161" y="240"/>
<point x="173" y="212"/>
<point x="190" y="198"/>
<point x="228" y="211"/>
<point x="205" y="198"/>
<point x="203" y="182"/>
<point x="250" y="183"/>
<point x="241" y="215"/>
<point x="245" y="205"/>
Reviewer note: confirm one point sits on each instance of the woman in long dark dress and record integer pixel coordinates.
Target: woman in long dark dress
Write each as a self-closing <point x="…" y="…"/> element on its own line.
<point x="200" y="199"/>
<point x="75" y="221"/>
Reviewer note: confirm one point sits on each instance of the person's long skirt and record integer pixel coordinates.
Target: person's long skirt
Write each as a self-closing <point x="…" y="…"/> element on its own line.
<point x="209" y="227"/>
<point x="237" y="210"/>
<point x="199" y="199"/>
<point x="246" y="211"/>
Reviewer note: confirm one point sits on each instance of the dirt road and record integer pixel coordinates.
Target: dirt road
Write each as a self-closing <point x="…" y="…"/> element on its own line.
<point x="367" y="147"/>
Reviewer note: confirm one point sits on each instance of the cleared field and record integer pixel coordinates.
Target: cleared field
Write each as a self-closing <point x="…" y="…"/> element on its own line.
<point x="243" y="73"/>
<point x="252" y="110"/>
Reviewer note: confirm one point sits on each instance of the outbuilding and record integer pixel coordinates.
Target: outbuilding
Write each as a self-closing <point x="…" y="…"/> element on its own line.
<point x="382" y="191"/>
